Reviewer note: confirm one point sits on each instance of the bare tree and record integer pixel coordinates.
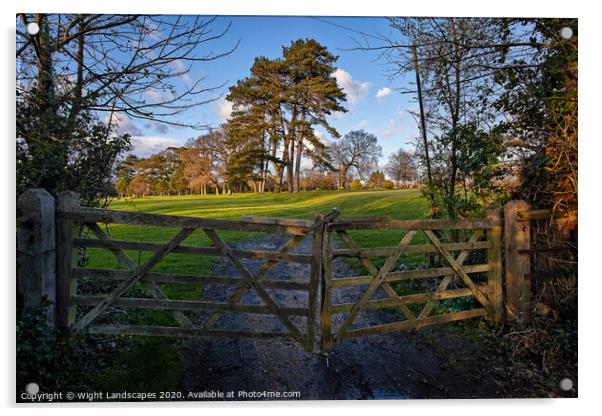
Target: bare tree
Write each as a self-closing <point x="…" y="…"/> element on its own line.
<point x="401" y="167"/>
<point x="80" y="74"/>
<point x="458" y="60"/>
<point x="356" y="150"/>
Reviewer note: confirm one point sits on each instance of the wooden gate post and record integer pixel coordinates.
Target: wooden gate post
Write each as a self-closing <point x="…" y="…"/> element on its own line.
<point x="66" y="260"/>
<point x="517" y="237"/>
<point x="36" y="249"/>
<point x="494" y="259"/>
<point x="326" y="313"/>
<point x="314" y="284"/>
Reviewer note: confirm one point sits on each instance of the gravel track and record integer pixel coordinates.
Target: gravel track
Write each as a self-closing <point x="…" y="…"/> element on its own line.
<point x="404" y="365"/>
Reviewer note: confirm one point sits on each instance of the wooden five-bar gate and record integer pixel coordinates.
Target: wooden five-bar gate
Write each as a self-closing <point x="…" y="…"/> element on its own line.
<point x="484" y="234"/>
<point x="51" y="237"/>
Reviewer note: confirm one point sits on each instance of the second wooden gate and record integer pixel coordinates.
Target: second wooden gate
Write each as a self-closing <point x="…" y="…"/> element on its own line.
<point x="480" y="281"/>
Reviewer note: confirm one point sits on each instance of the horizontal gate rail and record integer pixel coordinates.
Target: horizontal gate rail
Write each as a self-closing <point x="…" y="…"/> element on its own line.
<point x="83" y="214"/>
<point x="109" y="274"/>
<point x="173" y="331"/>
<point x="203" y="251"/>
<point x="379" y="224"/>
<point x="185" y="305"/>
<point x="415" y="249"/>
<point x="407" y="299"/>
<point x="408" y="275"/>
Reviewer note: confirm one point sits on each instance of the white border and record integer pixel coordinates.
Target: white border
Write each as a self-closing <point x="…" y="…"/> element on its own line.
<point x="590" y="153"/>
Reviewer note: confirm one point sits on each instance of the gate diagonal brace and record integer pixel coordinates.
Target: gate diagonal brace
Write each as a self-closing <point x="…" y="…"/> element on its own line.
<point x="128" y="283"/>
<point x="129" y="264"/>
<point x="265" y="268"/>
<point x="251" y="280"/>
<point x="373" y="270"/>
<point x="376" y="282"/>
<point x="459" y="270"/>
<point x="448" y="279"/>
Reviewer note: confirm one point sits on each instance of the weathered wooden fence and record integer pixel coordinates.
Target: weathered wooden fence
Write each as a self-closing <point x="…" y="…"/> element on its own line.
<point x="50" y="238"/>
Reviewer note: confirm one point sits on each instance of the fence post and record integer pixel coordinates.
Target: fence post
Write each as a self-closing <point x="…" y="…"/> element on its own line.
<point x="36" y="249"/>
<point x="66" y="260"/>
<point x="494" y="259"/>
<point x="517" y="236"/>
<point x="325" y="314"/>
<point x="316" y="274"/>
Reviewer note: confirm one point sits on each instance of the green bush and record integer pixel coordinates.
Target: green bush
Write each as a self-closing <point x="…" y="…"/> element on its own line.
<point x="52" y="361"/>
<point x="36" y="349"/>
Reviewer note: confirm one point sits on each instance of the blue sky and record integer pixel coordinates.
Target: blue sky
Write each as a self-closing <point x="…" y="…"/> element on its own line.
<point x="374" y="103"/>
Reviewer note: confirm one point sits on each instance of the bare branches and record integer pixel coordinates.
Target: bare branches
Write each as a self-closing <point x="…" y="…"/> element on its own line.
<point x="144" y="64"/>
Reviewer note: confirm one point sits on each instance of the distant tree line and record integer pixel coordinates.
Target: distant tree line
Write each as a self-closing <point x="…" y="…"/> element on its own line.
<point x="217" y="163"/>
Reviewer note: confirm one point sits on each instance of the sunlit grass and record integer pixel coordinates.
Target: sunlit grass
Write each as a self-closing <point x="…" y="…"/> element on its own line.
<point x="395" y="204"/>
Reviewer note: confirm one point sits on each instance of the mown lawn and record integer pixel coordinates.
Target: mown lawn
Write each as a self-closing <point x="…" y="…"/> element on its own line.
<point x="396" y="204"/>
<point x="162" y="375"/>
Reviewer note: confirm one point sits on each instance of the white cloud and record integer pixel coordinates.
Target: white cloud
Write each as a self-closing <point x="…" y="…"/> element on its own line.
<point x="155" y="96"/>
<point x="353" y="89"/>
<point x="388" y="133"/>
<point x="337" y="115"/>
<point x="123" y="124"/>
<point x="382" y="93"/>
<point x="362" y="124"/>
<point x="224" y="108"/>
<point x="182" y="70"/>
<point x="319" y="135"/>
<point x="392" y="121"/>
<point x="144" y="146"/>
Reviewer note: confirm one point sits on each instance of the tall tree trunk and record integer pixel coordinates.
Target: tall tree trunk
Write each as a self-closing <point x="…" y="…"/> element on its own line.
<point x="455" y="116"/>
<point x="47" y="149"/>
<point x="76" y="103"/>
<point x="300" y="138"/>
<point x="279" y="171"/>
<point x="427" y="158"/>
<point x="298" y="165"/>
<point x="290" y="174"/>
<point x="290" y="143"/>
<point x="264" y="163"/>
<point x="285" y="152"/>
<point x="343" y="176"/>
<point x="285" y="161"/>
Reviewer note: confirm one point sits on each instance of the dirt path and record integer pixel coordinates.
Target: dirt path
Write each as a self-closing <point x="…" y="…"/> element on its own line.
<point x="427" y="364"/>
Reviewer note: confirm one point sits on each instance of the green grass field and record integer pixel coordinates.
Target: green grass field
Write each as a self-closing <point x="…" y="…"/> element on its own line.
<point x="131" y="366"/>
<point x="396" y="204"/>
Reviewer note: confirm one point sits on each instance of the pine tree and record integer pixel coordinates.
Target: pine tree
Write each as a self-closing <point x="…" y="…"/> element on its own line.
<point x="279" y="104"/>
